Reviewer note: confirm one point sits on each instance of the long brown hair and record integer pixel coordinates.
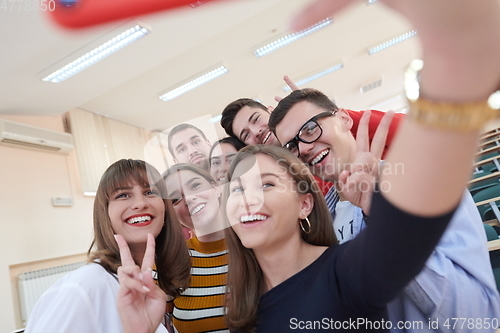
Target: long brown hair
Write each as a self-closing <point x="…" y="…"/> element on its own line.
<point x="172" y="257"/>
<point x="245" y="278"/>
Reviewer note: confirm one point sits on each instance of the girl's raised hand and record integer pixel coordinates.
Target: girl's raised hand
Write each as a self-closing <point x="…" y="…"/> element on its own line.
<point x="141" y="303"/>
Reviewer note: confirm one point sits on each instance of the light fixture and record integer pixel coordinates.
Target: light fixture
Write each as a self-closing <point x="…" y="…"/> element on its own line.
<point x="193" y="83"/>
<point x="371" y="2"/>
<point x="411" y="77"/>
<point x="391" y="42"/>
<point x="370" y="85"/>
<point x="98" y="53"/>
<point x="315" y="76"/>
<point x="276" y="44"/>
<point x="216" y="119"/>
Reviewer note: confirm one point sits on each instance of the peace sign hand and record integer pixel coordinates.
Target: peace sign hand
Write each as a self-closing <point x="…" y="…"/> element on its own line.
<point x="141" y="303"/>
<point x="290" y="84"/>
<point x="357" y="182"/>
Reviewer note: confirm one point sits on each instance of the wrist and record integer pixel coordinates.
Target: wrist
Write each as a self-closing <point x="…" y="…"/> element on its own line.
<point x="448" y="116"/>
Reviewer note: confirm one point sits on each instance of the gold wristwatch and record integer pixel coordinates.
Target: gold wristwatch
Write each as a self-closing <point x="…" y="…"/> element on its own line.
<point x="458" y="117"/>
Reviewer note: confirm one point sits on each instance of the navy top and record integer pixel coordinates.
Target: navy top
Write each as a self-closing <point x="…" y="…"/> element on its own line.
<point x="349" y="285"/>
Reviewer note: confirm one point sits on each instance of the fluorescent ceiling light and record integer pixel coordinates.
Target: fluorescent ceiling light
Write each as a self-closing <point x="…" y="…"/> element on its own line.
<point x="391" y="42"/>
<point x="216" y="119"/>
<point x="370" y="86"/>
<point x="274" y="45"/>
<point x="193" y="83"/>
<point x="370" y="2"/>
<point x="97" y="54"/>
<point x="315" y="76"/>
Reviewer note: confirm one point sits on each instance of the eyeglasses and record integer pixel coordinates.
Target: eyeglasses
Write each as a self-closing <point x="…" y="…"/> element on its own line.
<point x="308" y="133"/>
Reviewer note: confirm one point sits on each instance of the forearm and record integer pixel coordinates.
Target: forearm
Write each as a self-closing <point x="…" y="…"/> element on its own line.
<point x="437" y="165"/>
<point x="460" y="65"/>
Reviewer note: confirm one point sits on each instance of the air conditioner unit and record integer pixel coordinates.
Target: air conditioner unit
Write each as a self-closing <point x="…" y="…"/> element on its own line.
<point x="34" y="137"/>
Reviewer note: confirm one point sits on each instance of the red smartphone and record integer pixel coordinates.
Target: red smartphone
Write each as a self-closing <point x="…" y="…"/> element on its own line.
<point x="83" y="13"/>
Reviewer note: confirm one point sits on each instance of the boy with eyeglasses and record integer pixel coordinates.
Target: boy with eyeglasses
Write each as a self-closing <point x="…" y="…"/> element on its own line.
<point x="247" y="120"/>
<point x="456" y="281"/>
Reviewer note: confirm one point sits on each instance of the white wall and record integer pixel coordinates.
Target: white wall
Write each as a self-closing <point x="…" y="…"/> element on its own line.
<point x="31" y="228"/>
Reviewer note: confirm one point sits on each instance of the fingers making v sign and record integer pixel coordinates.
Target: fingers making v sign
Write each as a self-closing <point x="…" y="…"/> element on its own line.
<point x="357" y="181"/>
<point x="290" y="84"/>
<point x="141" y="303"/>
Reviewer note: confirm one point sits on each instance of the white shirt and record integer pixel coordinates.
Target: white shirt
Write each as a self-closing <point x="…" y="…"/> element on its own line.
<point x="348" y="221"/>
<point x="84" y="301"/>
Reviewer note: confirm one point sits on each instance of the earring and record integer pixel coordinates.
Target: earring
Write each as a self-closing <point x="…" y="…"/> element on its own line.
<point x="308" y="225"/>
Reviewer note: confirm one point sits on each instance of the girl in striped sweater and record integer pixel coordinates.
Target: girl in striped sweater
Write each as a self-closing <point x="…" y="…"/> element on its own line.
<point x="196" y="200"/>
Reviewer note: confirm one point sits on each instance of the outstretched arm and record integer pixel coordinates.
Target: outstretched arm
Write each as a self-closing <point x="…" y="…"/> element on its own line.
<point x="461" y="44"/>
<point x="357" y="182"/>
<point x="141" y="303"/>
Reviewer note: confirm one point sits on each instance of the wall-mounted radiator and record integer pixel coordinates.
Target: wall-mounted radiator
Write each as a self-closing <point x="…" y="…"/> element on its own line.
<point x="33" y="284"/>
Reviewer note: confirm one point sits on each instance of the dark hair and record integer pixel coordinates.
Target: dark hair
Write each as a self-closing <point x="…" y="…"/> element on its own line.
<point x="236" y="143"/>
<point x="179" y="128"/>
<point x="313" y="96"/>
<point x="232" y="109"/>
<point x="172" y="257"/>
<point x="245" y="278"/>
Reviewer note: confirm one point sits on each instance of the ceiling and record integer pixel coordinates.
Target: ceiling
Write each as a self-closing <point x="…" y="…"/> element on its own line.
<point x="184" y="42"/>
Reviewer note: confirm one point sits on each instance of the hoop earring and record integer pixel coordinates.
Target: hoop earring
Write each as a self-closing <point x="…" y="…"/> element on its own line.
<point x="308" y="225"/>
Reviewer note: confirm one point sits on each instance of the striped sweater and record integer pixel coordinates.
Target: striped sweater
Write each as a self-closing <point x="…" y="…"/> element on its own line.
<point x="200" y="308"/>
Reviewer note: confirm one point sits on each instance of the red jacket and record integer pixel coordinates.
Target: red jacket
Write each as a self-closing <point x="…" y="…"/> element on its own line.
<point x="374" y="121"/>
